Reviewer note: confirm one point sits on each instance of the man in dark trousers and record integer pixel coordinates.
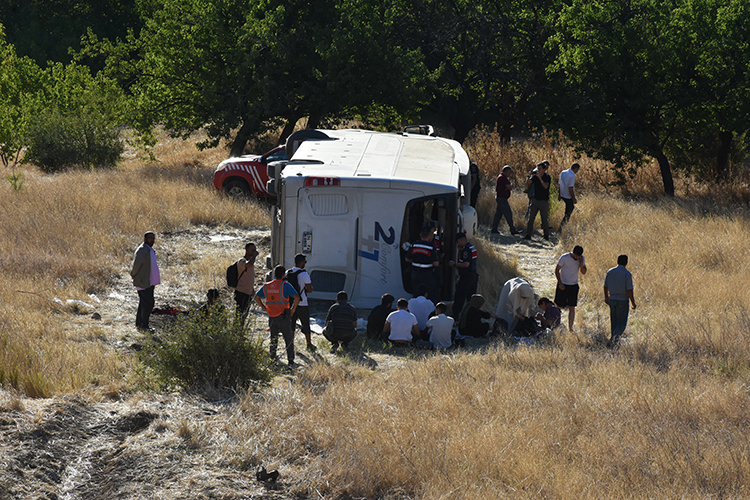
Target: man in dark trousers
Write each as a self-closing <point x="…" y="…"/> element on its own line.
<point x="424" y="260"/>
<point x="341" y="322"/>
<point x="539" y="181"/>
<point x="468" y="278"/>
<point x="503" y="190"/>
<point x="304" y="285"/>
<point x="618" y="289"/>
<point x="245" y="289"/>
<point x="277" y="295"/>
<point x="146" y="275"/>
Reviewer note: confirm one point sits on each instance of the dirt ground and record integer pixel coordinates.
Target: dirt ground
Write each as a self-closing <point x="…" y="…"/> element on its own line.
<point x="135" y="446"/>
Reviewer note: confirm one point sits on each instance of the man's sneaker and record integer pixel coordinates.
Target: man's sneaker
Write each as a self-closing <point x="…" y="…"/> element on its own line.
<point x="516" y="232"/>
<point x="311" y="348"/>
<point x="292" y="364"/>
<point x="334" y="348"/>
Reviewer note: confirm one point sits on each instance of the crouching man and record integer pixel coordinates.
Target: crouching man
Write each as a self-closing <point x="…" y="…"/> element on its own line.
<point x="341" y="323"/>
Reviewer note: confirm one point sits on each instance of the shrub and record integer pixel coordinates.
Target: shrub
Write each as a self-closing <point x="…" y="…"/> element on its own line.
<point x="199" y="352"/>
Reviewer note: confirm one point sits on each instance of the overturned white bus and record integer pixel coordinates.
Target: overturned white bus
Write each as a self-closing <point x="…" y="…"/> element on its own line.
<point x="353" y="201"/>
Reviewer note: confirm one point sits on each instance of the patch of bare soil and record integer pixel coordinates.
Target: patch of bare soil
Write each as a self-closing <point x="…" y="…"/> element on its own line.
<point x="84" y="447"/>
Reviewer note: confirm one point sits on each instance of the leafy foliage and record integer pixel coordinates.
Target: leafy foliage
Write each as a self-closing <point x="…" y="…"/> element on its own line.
<point x="198" y="351"/>
<point x="76" y="121"/>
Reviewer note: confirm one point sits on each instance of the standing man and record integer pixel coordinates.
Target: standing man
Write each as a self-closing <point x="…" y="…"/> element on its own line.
<point x="503" y="189"/>
<point x="424" y="260"/>
<point x="246" y="281"/>
<point x="341" y="322"/>
<point x="618" y="289"/>
<point x="539" y="180"/>
<point x="304" y="285"/>
<point x="145" y="274"/>
<point x="566" y="271"/>
<point x="476" y="184"/>
<point x="278" y="294"/>
<point x="468" y="278"/>
<point x="567" y="191"/>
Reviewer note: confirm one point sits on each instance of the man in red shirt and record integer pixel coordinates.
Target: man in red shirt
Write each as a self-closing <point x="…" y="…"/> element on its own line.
<point x="503" y="190"/>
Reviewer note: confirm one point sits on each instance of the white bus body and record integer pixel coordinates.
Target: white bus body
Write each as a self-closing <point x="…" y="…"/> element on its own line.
<point x="353" y="200"/>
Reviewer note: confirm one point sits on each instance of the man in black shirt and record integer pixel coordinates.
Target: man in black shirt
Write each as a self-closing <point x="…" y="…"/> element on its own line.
<point x="341" y="322"/>
<point x="540" y="181"/>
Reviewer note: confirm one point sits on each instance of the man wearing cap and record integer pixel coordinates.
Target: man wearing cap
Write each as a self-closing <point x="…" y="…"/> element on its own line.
<point x="468" y="278"/>
<point x="146" y="275"/>
<point x="424" y="260"/>
<point x="566" y="271"/>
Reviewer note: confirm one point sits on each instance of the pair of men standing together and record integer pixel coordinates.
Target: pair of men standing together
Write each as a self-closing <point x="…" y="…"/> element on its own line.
<point x="537" y="186"/>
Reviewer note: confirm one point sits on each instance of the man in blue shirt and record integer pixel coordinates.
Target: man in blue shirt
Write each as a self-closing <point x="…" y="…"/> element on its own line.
<point x="618" y="289"/>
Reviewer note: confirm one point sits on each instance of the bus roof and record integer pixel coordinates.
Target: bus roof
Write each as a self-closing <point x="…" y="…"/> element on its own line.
<point x="379" y="155"/>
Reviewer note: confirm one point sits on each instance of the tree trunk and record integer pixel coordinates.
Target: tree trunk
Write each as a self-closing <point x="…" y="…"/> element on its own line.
<point x="313" y="120"/>
<point x="240" y="140"/>
<point x="288" y="128"/>
<point x="722" y="160"/>
<point x="666" y="171"/>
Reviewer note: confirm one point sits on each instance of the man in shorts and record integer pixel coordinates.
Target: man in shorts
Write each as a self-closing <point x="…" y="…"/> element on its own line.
<point x="566" y="271"/>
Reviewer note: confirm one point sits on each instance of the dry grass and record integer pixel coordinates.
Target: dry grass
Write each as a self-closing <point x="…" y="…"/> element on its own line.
<point x="67" y="235"/>
<point x="664" y="416"/>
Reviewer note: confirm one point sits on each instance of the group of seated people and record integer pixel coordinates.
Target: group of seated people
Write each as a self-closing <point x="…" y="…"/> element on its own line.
<point x="426" y="324"/>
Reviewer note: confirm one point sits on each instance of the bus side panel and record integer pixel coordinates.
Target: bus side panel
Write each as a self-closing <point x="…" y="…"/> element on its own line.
<point x="378" y="256"/>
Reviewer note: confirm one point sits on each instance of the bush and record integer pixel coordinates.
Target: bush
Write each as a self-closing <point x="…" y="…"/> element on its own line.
<point x="58" y="142"/>
<point x="199" y="352"/>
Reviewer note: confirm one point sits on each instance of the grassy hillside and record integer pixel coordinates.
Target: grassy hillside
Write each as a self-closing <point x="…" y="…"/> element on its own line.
<point x="664" y="416"/>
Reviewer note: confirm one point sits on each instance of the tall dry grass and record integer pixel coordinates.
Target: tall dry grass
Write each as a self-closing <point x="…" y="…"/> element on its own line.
<point x="67" y="235"/>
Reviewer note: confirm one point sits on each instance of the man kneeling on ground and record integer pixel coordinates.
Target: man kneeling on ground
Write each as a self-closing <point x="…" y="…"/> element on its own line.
<point x="341" y="322"/>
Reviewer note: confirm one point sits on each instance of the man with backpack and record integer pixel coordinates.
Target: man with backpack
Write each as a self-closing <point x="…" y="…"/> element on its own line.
<point x="245" y="287"/>
<point x="300" y="280"/>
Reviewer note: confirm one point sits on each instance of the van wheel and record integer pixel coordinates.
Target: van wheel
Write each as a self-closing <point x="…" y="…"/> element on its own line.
<point x="237" y="188"/>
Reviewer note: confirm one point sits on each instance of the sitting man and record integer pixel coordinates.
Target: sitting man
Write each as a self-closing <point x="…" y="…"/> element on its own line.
<point x="401" y="325"/>
<point x="421" y="307"/>
<point x="470" y="322"/>
<point x="551" y="316"/>
<point x="341" y="322"/>
<point x="376" y="319"/>
<point x="440" y="327"/>
<point x="213" y="305"/>
<point x="516" y="300"/>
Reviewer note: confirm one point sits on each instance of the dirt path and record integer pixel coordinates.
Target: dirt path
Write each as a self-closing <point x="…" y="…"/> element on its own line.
<point x="137" y="447"/>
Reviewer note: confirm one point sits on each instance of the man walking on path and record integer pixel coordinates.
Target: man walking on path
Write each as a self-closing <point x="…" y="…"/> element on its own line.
<point x="539" y="202"/>
<point x="146" y="275"/>
<point x="567" y="191"/>
<point x="245" y="282"/>
<point x="304" y="285"/>
<point x="566" y="271"/>
<point x="503" y="189"/>
<point x="618" y="289"/>
<point x="278" y="293"/>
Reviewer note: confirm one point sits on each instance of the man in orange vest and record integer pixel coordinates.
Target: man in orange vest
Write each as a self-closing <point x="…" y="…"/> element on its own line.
<point x="278" y="294"/>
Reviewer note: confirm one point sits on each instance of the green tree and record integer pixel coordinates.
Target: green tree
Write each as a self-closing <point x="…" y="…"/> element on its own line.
<point x="77" y="120"/>
<point x="238" y="67"/>
<point x="19" y="80"/>
<point x="621" y="81"/>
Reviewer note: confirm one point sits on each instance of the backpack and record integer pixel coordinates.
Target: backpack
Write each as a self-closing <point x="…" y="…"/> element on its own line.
<point x="293" y="278"/>
<point x="233" y="276"/>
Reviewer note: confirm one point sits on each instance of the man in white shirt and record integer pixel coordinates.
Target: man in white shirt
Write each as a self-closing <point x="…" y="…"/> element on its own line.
<point x="401" y="325"/>
<point x="566" y="271"/>
<point x="441" y="327"/>
<point x="304" y="285"/>
<point x="567" y="191"/>
<point x="421" y="307"/>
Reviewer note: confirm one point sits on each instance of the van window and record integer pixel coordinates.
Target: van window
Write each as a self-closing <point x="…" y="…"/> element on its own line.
<point x="328" y="204"/>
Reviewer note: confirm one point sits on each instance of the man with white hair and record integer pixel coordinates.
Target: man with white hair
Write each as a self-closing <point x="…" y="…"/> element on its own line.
<point x="516" y="301"/>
